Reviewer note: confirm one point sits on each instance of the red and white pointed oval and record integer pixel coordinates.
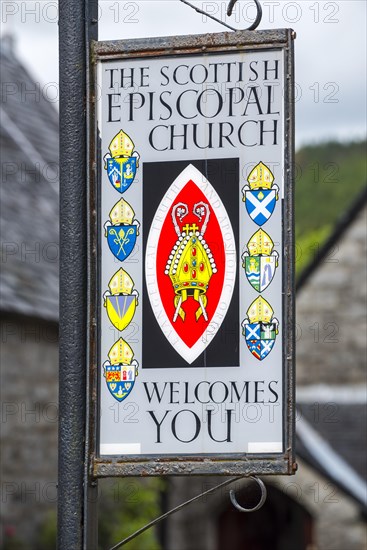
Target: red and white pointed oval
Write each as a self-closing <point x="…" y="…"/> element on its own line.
<point x="190" y="263"/>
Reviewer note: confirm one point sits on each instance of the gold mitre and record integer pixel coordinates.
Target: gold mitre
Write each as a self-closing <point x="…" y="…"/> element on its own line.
<point x="260" y="177"/>
<point x="122" y="213"/>
<point x="260" y="311"/>
<point x="120" y="353"/>
<point x="191" y="266"/>
<point x="260" y="243"/>
<point x="121" y="146"/>
<point x="121" y="283"/>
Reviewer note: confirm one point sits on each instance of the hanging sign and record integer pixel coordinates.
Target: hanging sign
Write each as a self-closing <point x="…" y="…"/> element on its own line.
<point x="193" y="140"/>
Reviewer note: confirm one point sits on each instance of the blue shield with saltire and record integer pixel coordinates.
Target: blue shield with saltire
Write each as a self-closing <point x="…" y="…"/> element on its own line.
<point x="260" y="204"/>
<point x="120" y="380"/>
<point x="121" y="240"/>
<point x="266" y="347"/>
<point x="121" y="310"/>
<point x="121" y="172"/>
<point x="260" y="338"/>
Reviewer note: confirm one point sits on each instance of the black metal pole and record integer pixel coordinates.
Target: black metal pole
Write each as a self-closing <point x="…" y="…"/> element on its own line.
<point x="77" y="26"/>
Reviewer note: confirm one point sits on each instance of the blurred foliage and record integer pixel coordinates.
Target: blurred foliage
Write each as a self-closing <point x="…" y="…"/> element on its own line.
<point x="329" y="177"/>
<point x="11" y="542"/>
<point x="47" y="535"/>
<point x="124" y="505"/>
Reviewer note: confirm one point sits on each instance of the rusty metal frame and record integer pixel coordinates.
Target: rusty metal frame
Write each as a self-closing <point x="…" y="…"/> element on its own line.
<point x="209" y="464"/>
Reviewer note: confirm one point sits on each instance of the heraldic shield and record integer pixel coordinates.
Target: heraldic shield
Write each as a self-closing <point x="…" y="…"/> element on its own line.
<point x="260" y="328"/>
<point x="260" y="261"/>
<point x="261" y="194"/>
<point x="121" y="230"/>
<point x="121" y="162"/>
<point x="183" y="266"/>
<point x="121" y="299"/>
<point x="121" y="370"/>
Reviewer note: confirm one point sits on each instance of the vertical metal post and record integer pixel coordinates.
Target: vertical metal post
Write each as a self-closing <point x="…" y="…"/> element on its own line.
<point x="77" y="26"/>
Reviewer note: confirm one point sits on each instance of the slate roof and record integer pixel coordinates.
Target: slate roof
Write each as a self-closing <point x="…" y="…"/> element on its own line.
<point x="29" y="206"/>
<point x="332" y="438"/>
<point x="344" y="427"/>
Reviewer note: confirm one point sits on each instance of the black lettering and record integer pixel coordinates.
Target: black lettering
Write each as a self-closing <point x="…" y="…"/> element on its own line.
<point x="229" y="423"/>
<point x="111" y="76"/>
<point x="164" y="75"/>
<point x="211" y="389"/>
<point x="231" y="98"/>
<point x="178" y="104"/>
<point x="197" y="391"/>
<point x="270" y="101"/>
<point x="176" y="136"/>
<point x="186" y="384"/>
<point x="225" y="136"/>
<point x="273" y="391"/>
<point x="233" y="386"/>
<point x="172" y="392"/>
<point x="132" y="101"/>
<point x="155" y="391"/>
<point x="110" y="107"/>
<point x="143" y="76"/>
<point x="197" y="430"/>
<point x="166" y="105"/>
<point x="200" y="101"/>
<point x="274" y="131"/>
<point x="158" y="424"/>
<point x="210" y="137"/>
<point x="175" y="75"/>
<point x="127" y="77"/>
<point x="258" y="391"/>
<point x="240" y="133"/>
<point x="253" y="91"/>
<point x="254" y="71"/>
<point x="269" y="70"/>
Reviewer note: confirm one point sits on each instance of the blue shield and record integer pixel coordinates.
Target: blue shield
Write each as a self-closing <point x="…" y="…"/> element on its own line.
<point x="121" y="240"/>
<point x="260" y="338"/>
<point x="266" y="347"/>
<point x="121" y="172"/>
<point x="260" y="204"/>
<point x="120" y="380"/>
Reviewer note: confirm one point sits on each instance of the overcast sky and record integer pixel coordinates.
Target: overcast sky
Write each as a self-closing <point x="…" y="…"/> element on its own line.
<point x="330" y="48"/>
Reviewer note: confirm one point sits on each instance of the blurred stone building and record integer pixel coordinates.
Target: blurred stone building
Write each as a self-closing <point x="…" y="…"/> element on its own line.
<point x="322" y="507"/>
<point x="28" y="302"/>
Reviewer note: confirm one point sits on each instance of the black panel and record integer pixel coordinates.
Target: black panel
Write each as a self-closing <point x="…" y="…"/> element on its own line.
<point x="223" y="175"/>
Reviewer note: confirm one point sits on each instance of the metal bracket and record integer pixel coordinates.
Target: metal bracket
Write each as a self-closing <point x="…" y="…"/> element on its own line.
<point x="231" y="5"/>
<point x="187" y="502"/>
<point x="262" y="500"/>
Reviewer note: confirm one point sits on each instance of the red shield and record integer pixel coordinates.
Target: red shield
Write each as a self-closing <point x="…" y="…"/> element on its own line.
<point x="190" y="255"/>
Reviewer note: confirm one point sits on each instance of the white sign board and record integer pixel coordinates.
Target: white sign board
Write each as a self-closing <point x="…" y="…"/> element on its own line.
<point x="194" y="260"/>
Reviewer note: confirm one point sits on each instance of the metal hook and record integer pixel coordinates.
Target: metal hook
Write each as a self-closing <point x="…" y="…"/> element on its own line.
<point x="231" y="5"/>
<point x="259" y="14"/>
<point x="232" y="496"/>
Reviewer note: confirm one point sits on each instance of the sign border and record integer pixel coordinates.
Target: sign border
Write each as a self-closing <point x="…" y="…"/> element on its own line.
<point x="238" y="464"/>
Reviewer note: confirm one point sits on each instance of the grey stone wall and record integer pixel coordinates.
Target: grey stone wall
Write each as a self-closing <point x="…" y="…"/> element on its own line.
<point x="337" y="522"/>
<point x="331" y="352"/>
<point x="331" y="314"/>
<point x="29" y="411"/>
